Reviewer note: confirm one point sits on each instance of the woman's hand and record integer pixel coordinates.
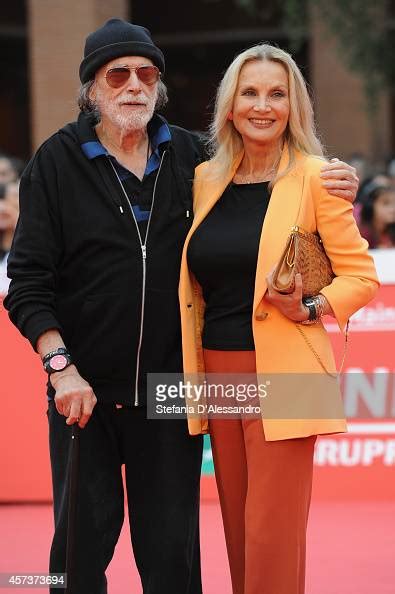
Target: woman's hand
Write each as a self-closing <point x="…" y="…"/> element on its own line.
<point x="290" y="305"/>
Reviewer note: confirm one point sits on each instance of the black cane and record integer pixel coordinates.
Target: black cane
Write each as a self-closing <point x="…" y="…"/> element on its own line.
<point x="72" y="507"/>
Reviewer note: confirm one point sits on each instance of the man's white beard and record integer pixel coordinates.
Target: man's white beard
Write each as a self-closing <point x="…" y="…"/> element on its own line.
<point x="136" y="119"/>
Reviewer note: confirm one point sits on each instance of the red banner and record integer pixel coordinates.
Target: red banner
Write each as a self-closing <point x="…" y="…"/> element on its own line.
<point x="357" y="465"/>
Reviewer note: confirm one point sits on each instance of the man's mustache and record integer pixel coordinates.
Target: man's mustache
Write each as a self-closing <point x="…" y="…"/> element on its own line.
<point x="139" y="100"/>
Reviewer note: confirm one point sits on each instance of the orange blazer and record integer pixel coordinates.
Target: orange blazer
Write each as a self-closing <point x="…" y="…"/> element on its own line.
<point x="302" y="399"/>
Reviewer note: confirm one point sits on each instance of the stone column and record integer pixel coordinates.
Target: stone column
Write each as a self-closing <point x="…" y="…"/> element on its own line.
<point x="57" y="32"/>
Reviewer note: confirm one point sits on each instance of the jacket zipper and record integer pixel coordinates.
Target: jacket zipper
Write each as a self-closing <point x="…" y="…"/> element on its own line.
<point x="143" y="246"/>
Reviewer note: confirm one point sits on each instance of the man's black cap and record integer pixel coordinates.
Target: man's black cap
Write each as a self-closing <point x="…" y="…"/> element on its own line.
<point x="117" y="38"/>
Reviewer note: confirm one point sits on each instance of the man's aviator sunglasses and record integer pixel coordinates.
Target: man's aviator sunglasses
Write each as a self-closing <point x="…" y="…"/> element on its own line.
<point x="117" y="77"/>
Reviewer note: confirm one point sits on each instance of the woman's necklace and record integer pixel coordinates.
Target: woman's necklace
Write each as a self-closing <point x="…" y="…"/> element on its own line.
<point x="248" y="179"/>
<point x="252" y="178"/>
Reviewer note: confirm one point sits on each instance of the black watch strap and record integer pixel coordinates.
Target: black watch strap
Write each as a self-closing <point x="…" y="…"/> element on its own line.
<point x="57" y="360"/>
<point x="310" y="304"/>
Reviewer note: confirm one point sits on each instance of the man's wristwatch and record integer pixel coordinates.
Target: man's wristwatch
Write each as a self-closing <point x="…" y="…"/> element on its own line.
<point x="313" y="304"/>
<point x="57" y="360"/>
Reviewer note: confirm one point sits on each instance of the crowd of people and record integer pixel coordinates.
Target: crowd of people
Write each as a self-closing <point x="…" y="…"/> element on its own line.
<point x="375" y="204"/>
<point x="10" y="171"/>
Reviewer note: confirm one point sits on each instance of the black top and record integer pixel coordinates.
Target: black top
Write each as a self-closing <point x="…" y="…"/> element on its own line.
<point x="222" y="254"/>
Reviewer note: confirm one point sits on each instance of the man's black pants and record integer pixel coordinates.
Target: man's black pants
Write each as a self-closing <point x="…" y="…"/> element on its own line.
<point x="162" y="470"/>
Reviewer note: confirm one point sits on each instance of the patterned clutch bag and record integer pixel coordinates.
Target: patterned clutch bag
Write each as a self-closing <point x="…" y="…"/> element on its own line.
<point x="304" y="253"/>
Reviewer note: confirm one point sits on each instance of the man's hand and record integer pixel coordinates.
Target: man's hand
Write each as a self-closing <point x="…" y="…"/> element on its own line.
<point x="340" y="179"/>
<point x="74" y="397"/>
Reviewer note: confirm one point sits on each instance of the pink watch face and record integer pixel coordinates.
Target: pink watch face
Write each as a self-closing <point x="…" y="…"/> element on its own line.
<point x="58" y="362"/>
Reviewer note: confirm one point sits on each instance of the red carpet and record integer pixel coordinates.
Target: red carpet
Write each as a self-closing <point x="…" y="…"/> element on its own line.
<point x="351" y="549"/>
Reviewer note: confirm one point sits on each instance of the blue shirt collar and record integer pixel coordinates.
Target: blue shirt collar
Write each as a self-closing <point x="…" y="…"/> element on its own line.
<point x="158" y="132"/>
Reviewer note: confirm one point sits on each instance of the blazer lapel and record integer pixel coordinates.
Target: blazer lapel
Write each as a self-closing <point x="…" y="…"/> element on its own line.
<point x="281" y="216"/>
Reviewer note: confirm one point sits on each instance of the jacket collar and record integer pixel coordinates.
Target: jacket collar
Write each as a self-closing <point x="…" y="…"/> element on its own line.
<point x="158" y="132"/>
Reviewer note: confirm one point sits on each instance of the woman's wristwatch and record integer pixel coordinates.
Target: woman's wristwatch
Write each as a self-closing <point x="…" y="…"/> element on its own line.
<point x="315" y="305"/>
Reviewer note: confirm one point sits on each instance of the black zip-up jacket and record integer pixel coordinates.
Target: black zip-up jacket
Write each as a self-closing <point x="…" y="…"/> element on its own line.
<point x="76" y="262"/>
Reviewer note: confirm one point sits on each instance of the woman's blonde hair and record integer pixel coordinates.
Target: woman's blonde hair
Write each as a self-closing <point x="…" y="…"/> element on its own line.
<point x="225" y="143"/>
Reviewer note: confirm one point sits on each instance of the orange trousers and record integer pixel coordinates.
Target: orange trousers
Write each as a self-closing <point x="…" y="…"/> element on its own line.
<point x="265" y="490"/>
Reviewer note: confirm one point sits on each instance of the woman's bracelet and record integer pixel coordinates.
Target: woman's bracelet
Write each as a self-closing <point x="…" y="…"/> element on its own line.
<point x="316" y="306"/>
